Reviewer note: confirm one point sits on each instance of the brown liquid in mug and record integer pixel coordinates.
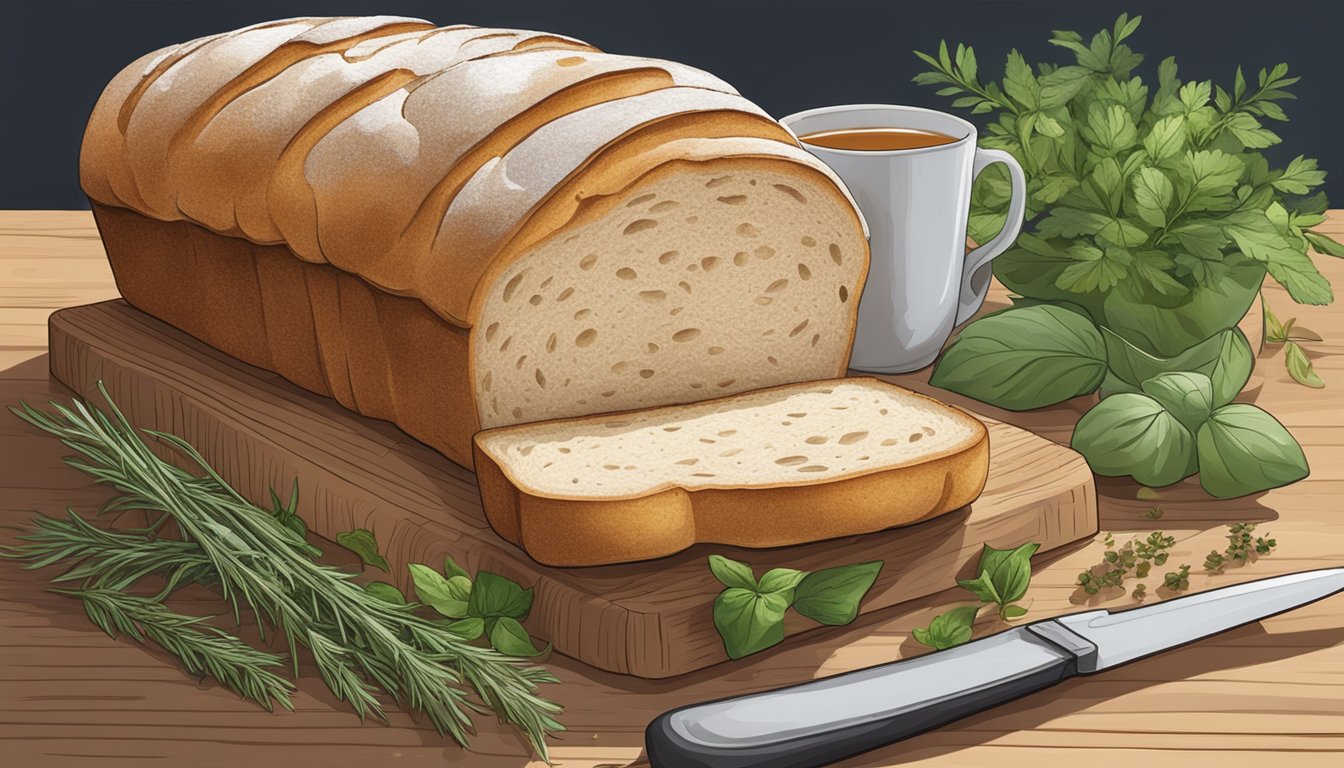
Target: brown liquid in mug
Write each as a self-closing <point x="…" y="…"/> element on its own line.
<point x="877" y="139"/>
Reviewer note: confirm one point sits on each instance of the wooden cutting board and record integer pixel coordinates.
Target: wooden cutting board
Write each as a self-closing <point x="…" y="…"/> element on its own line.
<point x="649" y="619"/>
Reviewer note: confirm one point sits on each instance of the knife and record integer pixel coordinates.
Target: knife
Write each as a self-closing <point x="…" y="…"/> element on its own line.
<point x="822" y="721"/>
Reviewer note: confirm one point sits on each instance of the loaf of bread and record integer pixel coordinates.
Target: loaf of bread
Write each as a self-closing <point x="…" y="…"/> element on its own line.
<point x="464" y="228"/>
<point x="780" y="466"/>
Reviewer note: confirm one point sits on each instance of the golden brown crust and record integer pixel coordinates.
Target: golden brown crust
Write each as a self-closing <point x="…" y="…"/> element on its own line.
<point x="185" y="152"/>
<point x="579" y="531"/>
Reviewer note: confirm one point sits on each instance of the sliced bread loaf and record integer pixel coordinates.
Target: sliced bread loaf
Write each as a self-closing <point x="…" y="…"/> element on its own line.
<point x="781" y="466"/>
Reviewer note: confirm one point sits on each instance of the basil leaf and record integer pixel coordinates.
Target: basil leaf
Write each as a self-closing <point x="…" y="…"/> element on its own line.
<point x="732" y="573"/>
<point x="1187" y="396"/>
<point x="1232" y="368"/>
<point x="1300" y="367"/>
<point x="509" y="638"/>
<point x="1024" y="358"/>
<point x="362" y="542"/>
<point x="1244" y="450"/>
<point x="1131" y="434"/>
<point x="982" y="587"/>
<point x="949" y="629"/>
<point x="493" y="596"/>
<point x="1007" y="572"/>
<point x="781" y="581"/>
<point x="451" y="568"/>
<point x="385" y="592"/>
<point x="747" y="621"/>
<point x="468" y="629"/>
<point x="435" y="591"/>
<point x="831" y="596"/>
<point x="1225" y="358"/>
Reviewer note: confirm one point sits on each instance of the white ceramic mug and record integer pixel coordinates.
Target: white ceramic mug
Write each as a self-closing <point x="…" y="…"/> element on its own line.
<point x="921" y="281"/>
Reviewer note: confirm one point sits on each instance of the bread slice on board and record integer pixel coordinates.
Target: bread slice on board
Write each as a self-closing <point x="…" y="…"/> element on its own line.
<point x="780" y="466"/>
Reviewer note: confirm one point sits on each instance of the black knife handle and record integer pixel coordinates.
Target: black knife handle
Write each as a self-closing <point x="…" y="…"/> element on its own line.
<point x="822" y="721"/>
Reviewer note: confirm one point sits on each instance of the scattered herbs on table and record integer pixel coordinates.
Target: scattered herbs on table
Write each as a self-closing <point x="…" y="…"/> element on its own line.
<point x="361" y="643"/>
<point x="1137" y="556"/>
<point x="1004" y="575"/>
<point x="1152" y="221"/>
<point x="1299" y="366"/>
<point x="749" y="614"/>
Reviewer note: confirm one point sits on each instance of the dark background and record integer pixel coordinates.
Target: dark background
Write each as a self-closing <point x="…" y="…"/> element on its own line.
<point x="785" y="55"/>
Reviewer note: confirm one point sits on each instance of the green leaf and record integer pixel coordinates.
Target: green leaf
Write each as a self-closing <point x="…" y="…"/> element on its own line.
<point x="385" y="592"/>
<point x="1324" y="244"/>
<point x="1300" y="367"/>
<point x="1131" y="434"/>
<point x="748" y="622"/>
<point x="1094" y="269"/>
<point x="1249" y="131"/>
<point x="362" y="542"/>
<point x="509" y="638"/>
<point x="1071" y="222"/>
<point x="1244" y="450"/>
<point x="1110" y="129"/>
<point x="1009" y="570"/>
<point x="433" y="589"/>
<point x="468" y="629"/>
<point x="1152" y="195"/>
<point x="1206" y="176"/>
<point x="493" y="596"/>
<point x="1186" y="395"/>
<point x="1226" y="358"/>
<point x="1166" y="138"/>
<point x="1151" y="267"/>
<point x="1024" y="358"/>
<point x="1011" y="612"/>
<point x="1062" y="85"/>
<point x="1284" y="255"/>
<point x="451" y="568"/>
<point x="831" y="596"/>
<point x="781" y="581"/>
<point x="1018" y="82"/>
<point x="982" y="587"/>
<point x="949" y="629"/>
<point x="1300" y="176"/>
<point x="732" y="573"/>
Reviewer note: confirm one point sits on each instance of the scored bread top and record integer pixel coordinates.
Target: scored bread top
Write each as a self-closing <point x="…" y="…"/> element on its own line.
<point x="791" y="435"/>
<point x="391" y="149"/>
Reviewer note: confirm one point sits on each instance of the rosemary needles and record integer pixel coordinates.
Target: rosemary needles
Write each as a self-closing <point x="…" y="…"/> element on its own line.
<point x="360" y="644"/>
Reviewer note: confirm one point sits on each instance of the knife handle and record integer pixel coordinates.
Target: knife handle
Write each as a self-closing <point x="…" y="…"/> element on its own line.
<point x="822" y="721"/>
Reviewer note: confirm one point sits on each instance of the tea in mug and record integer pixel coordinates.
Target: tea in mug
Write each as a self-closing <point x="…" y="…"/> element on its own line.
<point x="877" y="139"/>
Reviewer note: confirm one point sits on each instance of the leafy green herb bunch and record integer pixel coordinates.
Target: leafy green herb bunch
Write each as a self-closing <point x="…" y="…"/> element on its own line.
<point x="1152" y="221"/>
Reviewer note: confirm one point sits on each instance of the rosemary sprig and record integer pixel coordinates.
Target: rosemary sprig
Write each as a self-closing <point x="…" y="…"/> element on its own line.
<point x="357" y="640"/>
<point x="203" y="649"/>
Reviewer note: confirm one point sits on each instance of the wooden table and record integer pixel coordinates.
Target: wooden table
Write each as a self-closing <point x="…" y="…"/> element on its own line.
<point x="1265" y="694"/>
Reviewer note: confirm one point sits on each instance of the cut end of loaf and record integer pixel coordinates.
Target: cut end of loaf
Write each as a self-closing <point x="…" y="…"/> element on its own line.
<point x="797" y="435"/>
<point x="729" y="267"/>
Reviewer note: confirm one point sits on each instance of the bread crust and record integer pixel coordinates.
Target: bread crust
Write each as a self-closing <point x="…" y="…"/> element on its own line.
<point x="584" y="530"/>
<point x="168" y="139"/>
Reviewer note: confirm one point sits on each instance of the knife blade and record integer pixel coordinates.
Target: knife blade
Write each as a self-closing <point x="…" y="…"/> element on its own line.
<point x="822" y="721"/>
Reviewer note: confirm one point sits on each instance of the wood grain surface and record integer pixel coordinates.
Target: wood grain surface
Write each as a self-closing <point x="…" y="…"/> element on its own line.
<point x="649" y="619"/>
<point x="1264" y="694"/>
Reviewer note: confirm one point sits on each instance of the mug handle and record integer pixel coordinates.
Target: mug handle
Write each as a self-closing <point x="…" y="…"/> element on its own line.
<point x="976" y="272"/>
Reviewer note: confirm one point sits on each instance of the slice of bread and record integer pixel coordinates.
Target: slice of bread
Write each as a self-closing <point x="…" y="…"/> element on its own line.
<point x="774" y="467"/>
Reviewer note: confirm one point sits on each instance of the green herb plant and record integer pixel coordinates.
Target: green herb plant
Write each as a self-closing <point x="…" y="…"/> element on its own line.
<point x="1004" y="575"/>
<point x="749" y="614"/>
<point x="361" y="644"/>
<point x="1152" y="221"/>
